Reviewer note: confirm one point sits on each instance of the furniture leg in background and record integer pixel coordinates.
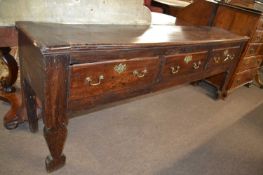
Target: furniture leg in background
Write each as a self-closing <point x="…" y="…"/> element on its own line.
<point x="8" y="92"/>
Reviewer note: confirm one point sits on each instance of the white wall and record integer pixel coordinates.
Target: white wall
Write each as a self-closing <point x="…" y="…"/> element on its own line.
<point x="75" y="11"/>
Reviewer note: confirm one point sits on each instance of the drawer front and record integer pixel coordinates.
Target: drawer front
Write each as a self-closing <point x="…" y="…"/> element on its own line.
<point x="243" y="78"/>
<point x="258" y="37"/>
<point x="248" y="63"/>
<point x="112" y="78"/>
<point x="222" y="56"/>
<point x="260" y="24"/>
<point x="184" y="64"/>
<point x="253" y="50"/>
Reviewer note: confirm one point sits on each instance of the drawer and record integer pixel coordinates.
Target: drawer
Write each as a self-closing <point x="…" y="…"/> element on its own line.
<point x="112" y="78"/>
<point x="253" y="50"/>
<point x="257" y="37"/>
<point x="222" y="56"/>
<point x="248" y="63"/>
<point x="179" y="64"/>
<point x="260" y="24"/>
<point x="243" y="77"/>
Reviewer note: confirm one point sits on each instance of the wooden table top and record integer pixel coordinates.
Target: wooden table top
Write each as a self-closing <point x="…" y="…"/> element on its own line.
<point x="51" y="36"/>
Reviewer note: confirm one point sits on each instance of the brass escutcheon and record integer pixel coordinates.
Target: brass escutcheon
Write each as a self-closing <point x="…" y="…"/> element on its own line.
<point x="120" y="68"/>
<point x="188" y="59"/>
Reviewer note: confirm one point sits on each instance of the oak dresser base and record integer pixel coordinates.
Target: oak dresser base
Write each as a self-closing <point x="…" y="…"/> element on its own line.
<point x="91" y="65"/>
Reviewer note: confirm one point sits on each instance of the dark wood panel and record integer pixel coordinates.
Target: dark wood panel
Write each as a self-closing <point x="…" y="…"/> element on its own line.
<point x="236" y="20"/>
<point x="32" y="60"/>
<point x="200" y="12"/>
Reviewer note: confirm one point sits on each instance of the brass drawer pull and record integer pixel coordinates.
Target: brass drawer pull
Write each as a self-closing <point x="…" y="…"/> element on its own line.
<point x="89" y="80"/>
<point x="175" y="70"/>
<point x="196" y="65"/>
<point x="141" y="74"/>
<point x="217" y="59"/>
<point x="228" y="56"/>
<point x="231" y="57"/>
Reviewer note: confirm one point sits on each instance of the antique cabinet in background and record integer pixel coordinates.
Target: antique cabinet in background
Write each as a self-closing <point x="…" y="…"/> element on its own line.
<point x="239" y="20"/>
<point x="246" y="22"/>
<point x="249" y="68"/>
